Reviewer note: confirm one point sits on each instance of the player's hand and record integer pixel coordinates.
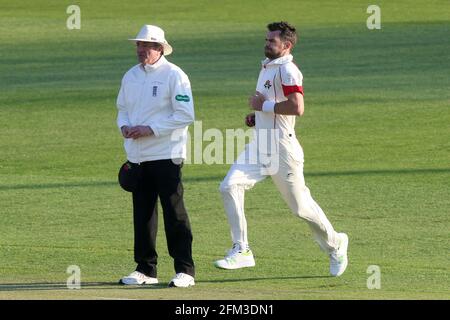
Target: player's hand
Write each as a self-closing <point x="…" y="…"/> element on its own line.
<point x="139" y="132"/>
<point x="125" y="131"/>
<point x="256" y="101"/>
<point x="250" y="119"/>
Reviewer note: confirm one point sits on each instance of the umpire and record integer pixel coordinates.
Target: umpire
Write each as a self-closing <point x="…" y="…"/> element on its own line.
<point x="155" y="108"/>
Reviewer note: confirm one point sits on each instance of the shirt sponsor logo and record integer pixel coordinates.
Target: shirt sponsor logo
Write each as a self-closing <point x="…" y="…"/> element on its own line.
<point x="180" y="97"/>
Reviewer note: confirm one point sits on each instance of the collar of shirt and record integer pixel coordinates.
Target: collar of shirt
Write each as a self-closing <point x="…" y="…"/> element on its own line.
<point x="281" y="60"/>
<point x="152" y="67"/>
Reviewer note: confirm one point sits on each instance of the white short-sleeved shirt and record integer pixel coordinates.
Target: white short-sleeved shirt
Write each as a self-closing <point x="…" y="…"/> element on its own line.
<point x="277" y="80"/>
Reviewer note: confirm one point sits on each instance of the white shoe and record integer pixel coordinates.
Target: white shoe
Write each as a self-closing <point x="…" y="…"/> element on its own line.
<point x="137" y="278"/>
<point x="338" y="258"/>
<point x="182" y="280"/>
<point x="236" y="259"/>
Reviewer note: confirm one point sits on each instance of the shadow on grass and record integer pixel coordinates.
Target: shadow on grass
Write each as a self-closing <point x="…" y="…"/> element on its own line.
<point x="45" y="286"/>
<point x="220" y="178"/>
<point x="261" y="279"/>
<point x="63" y="286"/>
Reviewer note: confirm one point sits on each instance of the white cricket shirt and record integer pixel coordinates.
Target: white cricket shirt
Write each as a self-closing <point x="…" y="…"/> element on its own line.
<point x="158" y="96"/>
<point x="277" y="79"/>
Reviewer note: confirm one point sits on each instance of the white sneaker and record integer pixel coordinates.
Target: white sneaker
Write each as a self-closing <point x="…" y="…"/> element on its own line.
<point x="136" y="278"/>
<point x="236" y="259"/>
<point x="182" y="280"/>
<point x="338" y="259"/>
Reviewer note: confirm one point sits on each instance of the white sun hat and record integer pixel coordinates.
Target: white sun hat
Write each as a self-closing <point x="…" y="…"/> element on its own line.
<point x="151" y="33"/>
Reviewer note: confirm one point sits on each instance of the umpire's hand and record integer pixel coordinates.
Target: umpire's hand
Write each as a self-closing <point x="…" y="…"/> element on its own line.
<point x="136" y="132"/>
<point x="125" y="131"/>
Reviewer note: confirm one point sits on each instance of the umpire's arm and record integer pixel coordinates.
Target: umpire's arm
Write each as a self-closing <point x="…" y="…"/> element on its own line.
<point x="182" y="106"/>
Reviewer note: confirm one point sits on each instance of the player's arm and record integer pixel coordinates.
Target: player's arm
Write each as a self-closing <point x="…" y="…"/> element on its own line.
<point x="292" y="88"/>
<point x="294" y="105"/>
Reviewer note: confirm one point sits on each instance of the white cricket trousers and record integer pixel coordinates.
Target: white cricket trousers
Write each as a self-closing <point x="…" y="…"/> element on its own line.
<point x="289" y="180"/>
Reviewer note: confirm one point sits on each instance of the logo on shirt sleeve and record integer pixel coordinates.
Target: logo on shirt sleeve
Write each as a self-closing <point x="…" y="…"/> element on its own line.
<point x="180" y="97"/>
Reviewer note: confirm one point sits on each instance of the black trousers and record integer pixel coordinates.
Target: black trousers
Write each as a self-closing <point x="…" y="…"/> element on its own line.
<point x="161" y="178"/>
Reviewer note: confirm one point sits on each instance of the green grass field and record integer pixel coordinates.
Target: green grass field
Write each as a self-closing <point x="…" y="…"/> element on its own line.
<point x="376" y="136"/>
